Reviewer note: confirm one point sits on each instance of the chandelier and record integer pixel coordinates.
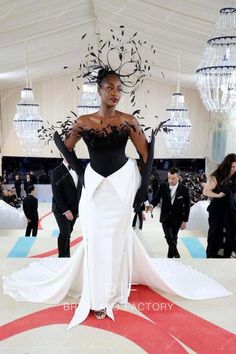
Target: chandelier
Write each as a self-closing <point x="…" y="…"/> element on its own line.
<point x="216" y="76"/>
<point x="90" y="102"/>
<point x="177" y="122"/>
<point x="27" y="121"/>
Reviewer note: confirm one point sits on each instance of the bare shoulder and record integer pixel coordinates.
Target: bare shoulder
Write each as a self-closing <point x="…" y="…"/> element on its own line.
<point x="211" y="183"/>
<point x="83" y="120"/>
<point x="129" y="118"/>
<point x="212" y="179"/>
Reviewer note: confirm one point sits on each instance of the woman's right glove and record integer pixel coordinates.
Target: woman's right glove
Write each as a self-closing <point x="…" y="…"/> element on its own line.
<point x="70" y="157"/>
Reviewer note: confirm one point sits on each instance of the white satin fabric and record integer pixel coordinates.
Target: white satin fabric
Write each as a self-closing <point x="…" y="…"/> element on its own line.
<point x="198" y="217"/>
<point x="109" y="258"/>
<point x="11" y="218"/>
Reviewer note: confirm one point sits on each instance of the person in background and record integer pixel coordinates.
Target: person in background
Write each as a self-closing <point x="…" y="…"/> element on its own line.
<point x="232" y="215"/>
<point x="43" y="178"/>
<point x="6" y="196"/>
<point x="155" y="181"/>
<point x="139" y="217"/>
<point x="13" y="198"/>
<point x="30" y="207"/>
<point x="66" y="190"/>
<point x="175" y="208"/>
<point x="17" y="185"/>
<point x="5" y="177"/>
<point x="33" y="178"/>
<point x="220" y="222"/>
<point x="27" y="182"/>
<point x="10" y="198"/>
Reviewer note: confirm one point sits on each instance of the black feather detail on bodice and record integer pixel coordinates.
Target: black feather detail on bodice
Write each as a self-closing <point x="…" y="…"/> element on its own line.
<point x="106" y="148"/>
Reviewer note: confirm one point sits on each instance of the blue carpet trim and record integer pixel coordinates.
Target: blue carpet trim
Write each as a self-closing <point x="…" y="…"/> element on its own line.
<point x="194" y="247"/>
<point x="55" y="233"/>
<point x="22" y="247"/>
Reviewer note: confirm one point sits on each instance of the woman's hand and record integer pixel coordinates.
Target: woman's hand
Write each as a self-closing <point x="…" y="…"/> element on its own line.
<point x="221" y="195"/>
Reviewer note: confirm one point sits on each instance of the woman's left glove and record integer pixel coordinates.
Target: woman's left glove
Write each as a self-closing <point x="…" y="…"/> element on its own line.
<point x="141" y="194"/>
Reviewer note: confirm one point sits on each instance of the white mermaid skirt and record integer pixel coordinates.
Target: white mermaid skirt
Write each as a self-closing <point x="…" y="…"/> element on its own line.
<point x="109" y="258"/>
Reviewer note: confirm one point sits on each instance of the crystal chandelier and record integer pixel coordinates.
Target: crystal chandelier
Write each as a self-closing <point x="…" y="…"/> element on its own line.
<point x="177" y="123"/>
<point x="90" y="101"/>
<point x="216" y="76"/>
<point x="27" y="120"/>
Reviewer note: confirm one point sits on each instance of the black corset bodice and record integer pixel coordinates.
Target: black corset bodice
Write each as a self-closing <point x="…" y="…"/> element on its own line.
<point x="106" y="148"/>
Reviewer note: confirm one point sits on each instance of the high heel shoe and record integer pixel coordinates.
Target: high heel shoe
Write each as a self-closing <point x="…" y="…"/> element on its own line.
<point x="100" y="314"/>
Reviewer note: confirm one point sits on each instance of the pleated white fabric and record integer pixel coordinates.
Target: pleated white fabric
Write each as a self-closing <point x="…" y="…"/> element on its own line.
<point x="109" y="258"/>
<point x="11" y="218"/>
<point x="198" y="217"/>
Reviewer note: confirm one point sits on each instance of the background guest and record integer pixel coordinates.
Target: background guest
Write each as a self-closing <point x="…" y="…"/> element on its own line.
<point x="175" y="208"/>
<point x="27" y="182"/>
<point x="10" y="198"/>
<point x="33" y="177"/>
<point x="30" y="207"/>
<point x="220" y="222"/>
<point x="66" y="191"/>
<point x="17" y="184"/>
<point x="43" y="178"/>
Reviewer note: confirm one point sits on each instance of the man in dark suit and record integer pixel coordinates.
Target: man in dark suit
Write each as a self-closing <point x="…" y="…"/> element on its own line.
<point x="30" y="207"/>
<point x="27" y="183"/>
<point x="17" y="185"/>
<point x="66" y="191"/>
<point x="33" y="178"/>
<point x="43" y="178"/>
<point x="175" y="208"/>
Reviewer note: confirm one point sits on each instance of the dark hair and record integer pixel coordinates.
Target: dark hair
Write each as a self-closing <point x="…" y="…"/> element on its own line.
<point x="232" y="183"/>
<point x="103" y="73"/>
<point x="174" y="170"/>
<point x="29" y="189"/>
<point x="222" y="172"/>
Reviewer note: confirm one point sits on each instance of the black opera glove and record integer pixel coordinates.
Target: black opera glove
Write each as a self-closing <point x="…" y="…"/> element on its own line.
<point x="141" y="194"/>
<point x="70" y="157"/>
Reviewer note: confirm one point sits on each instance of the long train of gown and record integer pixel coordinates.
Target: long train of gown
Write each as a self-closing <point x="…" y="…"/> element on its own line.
<point x="109" y="258"/>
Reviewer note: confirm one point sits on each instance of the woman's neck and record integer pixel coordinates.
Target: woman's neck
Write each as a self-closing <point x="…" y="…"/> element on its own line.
<point x="107" y="112"/>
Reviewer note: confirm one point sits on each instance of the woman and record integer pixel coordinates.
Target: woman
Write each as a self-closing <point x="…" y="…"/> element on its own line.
<point x="232" y="214"/>
<point x="110" y="256"/>
<point x="106" y="133"/>
<point x="220" y="222"/>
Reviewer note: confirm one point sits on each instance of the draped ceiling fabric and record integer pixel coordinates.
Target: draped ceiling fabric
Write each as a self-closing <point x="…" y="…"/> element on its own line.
<point x="53" y="30"/>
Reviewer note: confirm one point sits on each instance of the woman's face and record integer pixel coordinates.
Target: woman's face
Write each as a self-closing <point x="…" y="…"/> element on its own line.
<point x="233" y="168"/>
<point x="110" y="90"/>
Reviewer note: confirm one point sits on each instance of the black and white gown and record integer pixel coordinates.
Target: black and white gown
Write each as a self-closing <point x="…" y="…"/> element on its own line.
<point x="110" y="258"/>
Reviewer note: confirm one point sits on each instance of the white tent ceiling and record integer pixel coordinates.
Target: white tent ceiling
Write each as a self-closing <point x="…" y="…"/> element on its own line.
<point x="53" y="31"/>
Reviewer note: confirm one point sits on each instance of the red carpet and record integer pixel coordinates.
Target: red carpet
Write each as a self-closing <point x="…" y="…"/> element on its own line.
<point x="169" y="321"/>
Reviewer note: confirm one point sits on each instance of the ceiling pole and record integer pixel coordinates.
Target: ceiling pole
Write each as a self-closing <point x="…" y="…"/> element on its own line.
<point x="97" y="33"/>
<point x="26" y="66"/>
<point x="178" y="81"/>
